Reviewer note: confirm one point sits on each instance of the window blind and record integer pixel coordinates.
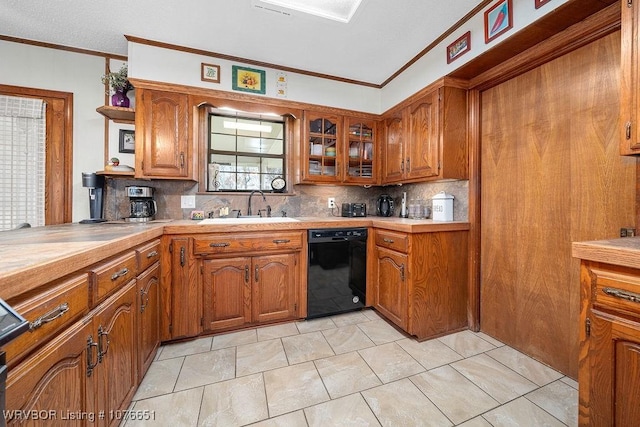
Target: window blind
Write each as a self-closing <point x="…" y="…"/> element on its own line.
<point x="22" y="161"/>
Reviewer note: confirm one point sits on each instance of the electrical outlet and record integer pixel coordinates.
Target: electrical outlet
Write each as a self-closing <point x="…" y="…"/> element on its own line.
<point x="331" y="202"/>
<point x="188" y="202"/>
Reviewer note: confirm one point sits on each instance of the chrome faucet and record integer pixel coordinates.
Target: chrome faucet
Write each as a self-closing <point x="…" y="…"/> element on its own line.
<point x="249" y="205"/>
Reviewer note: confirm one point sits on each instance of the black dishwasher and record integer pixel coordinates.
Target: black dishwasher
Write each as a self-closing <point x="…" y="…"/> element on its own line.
<point x="337" y="272"/>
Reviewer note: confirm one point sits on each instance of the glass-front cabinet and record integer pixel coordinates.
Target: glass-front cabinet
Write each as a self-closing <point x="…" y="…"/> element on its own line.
<point x="338" y="149"/>
<point x="360" y="151"/>
<point x="322" y="149"/>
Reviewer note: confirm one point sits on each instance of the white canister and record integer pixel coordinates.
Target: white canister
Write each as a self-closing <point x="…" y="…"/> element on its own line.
<point x="442" y="207"/>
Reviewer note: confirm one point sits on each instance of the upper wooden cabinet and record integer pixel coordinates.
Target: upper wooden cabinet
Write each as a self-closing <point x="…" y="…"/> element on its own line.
<point x="164" y="147"/>
<point x="630" y="79"/>
<point x="321" y="147"/>
<point x="338" y="149"/>
<point x="427" y="139"/>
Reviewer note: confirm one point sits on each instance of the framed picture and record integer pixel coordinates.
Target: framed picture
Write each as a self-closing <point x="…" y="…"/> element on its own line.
<point x="459" y="47"/>
<point x="248" y="80"/>
<point x="210" y="73"/>
<point x="498" y="19"/>
<point x="127" y="141"/>
<point x="540" y="3"/>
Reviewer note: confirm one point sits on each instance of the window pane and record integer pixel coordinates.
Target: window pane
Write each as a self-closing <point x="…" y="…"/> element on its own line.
<point x="217" y="125"/>
<point x="246" y="125"/>
<point x="273" y="166"/>
<point x="277" y="131"/>
<point x="274" y="147"/>
<point x="249" y="145"/>
<point x="223" y="142"/>
<point x="226" y="162"/>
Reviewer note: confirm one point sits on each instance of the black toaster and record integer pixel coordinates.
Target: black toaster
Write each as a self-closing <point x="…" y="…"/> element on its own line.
<point x="354" y="209"/>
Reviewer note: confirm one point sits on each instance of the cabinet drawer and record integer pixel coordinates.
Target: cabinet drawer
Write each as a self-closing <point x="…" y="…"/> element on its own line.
<point x="617" y="289"/>
<point x="231" y="243"/>
<point x="148" y="254"/>
<point x="111" y="275"/>
<point x="396" y="241"/>
<point x="48" y="313"/>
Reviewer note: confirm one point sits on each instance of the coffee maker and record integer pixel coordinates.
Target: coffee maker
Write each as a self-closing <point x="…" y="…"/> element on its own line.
<point x="95" y="183"/>
<point x="142" y="206"/>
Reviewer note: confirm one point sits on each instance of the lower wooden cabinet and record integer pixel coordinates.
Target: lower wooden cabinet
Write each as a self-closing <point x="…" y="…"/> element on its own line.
<point x="609" y="369"/>
<point x="148" y="317"/>
<point x="243" y="290"/>
<point x="420" y="280"/>
<point x="114" y="379"/>
<point x="85" y="370"/>
<point x="53" y="379"/>
<point x="89" y="369"/>
<point x="391" y="288"/>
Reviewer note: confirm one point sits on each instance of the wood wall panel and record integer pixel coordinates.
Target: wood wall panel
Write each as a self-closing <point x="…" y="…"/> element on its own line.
<point x="550" y="175"/>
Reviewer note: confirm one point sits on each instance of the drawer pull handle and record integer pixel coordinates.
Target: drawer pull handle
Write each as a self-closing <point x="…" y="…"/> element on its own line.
<point x="246" y="274"/>
<point x="617" y="293"/>
<point x="120" y="273"/>
<point x="152" y="254"/>
<point x="49" y="317"/>
<point x="402" y="272"/>
<point x="278" y="241"/>
<point x="219" y="245"/>
<point x="144" y="300"/>
<point x="182" y="256"/>
<point x="256" y="273"/>
<point x="387" y="240"/>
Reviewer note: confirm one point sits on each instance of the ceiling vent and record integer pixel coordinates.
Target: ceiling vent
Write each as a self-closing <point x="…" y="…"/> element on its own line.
<point x="270" y="8"/>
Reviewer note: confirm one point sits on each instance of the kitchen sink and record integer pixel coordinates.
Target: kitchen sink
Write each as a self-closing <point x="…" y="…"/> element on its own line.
<point x="247" y="220"/>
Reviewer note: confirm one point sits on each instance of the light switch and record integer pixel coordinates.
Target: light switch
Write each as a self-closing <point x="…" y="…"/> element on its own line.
<point x="188" y="202"/>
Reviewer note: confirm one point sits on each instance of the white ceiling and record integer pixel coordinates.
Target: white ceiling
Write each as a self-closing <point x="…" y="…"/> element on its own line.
<point x="382" y="36"/>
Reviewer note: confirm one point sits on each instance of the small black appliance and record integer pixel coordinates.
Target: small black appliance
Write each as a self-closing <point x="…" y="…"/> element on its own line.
<point x="384" y="205"/>
<point x="354" y="209"/>
<point x="95" y="183"/>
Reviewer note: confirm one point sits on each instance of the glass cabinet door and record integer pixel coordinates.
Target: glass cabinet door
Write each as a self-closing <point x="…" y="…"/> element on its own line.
<point x="360" y="151"/>
<point x="323" y="155"/>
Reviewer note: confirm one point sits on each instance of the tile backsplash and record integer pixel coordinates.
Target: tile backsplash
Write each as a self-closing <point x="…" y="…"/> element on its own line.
<point x="306" y="200"/>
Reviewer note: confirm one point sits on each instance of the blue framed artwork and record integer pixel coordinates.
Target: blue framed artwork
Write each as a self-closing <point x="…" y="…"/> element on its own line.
<point x="498" y="19"/>
<point x="248" y="80"/>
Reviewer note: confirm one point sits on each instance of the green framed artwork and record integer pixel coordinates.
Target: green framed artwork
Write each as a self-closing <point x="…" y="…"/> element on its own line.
<point x="248" y="80"/>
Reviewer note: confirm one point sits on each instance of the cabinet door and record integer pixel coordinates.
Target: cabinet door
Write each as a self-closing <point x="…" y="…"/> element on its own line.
<point x="391" y="286"/>
<point x="185" y="291"/>
<point x="274" y="291"/>
<point x="162" y="135"/>
<point x="360" y="151"/>
<point x="421" y="158"/>
<point x="227" y="292"/>
<point x="148" y="317"/>
<point x="613" y="365"/>
<point x="630" y="79"/>
<point x="53" y="379"/>
<point x="117" y="373"/>
<point x="322" y="148"/>
<point x="393" y="161"/>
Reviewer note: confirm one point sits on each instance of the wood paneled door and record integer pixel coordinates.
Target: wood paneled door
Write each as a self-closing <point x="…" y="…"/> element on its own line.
<point x="551" y="174"/>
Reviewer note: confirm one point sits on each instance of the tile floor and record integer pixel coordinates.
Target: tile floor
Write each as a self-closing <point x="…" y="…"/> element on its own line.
<point x="351" y="369"/>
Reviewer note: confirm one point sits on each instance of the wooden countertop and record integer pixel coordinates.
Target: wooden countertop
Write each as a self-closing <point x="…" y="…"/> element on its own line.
<point x="31" y="257"/>
<point x="623" y="252"/>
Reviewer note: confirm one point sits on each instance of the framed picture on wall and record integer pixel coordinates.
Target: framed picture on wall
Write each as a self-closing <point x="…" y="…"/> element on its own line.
<point x="540" y="3"/>
<point x="210" y="73"/>
<point x="248" y="80"/>
<point x="127" y="141"/>
<point x="459" y="47"/>
<point x="498" y="19"/>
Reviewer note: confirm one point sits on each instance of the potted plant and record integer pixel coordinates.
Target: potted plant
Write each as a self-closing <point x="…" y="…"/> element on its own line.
<point x="120" y="85"/>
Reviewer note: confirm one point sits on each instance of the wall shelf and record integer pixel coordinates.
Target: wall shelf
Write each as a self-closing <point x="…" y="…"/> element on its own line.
<point x="118" y="114"/>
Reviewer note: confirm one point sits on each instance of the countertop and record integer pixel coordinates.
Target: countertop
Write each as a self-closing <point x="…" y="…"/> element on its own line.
<point x="31" y="257"/>
<point x="623" y="251"/>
